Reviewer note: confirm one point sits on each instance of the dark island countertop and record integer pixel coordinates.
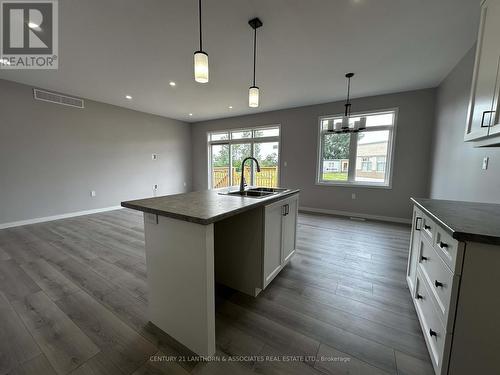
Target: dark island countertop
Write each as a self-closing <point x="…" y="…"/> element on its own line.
<point x="202" y="207"/>
<point x="465" y="221"/>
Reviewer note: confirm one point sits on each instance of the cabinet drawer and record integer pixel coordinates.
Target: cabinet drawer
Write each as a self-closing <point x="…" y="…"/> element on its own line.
<point x="437" y="340"/>
<point x="449" y="249"/>
<point x="428" y="227"/>
<point x="441" y="281"/>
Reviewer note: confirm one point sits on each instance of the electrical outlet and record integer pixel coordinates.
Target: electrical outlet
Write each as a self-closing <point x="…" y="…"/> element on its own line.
<point x="93" y="193"/>
<point x="154" y="156"/>
<point x="353" y="196"/>
<point x="485" y="162"/>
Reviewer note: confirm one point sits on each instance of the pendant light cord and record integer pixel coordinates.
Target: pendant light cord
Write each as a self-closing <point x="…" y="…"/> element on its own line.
<point x="254" y="52"/>
<point x="199" y="10"/>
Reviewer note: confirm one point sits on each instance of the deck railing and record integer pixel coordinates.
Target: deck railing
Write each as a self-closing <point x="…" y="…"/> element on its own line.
<point x="267" y="177"/>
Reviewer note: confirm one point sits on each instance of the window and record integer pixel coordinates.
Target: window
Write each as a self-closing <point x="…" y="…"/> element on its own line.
<point x="359" y="159"/>
<point x="227" y="149"/>
<point x="380" y="163"/>
<point x="366" y="165"/>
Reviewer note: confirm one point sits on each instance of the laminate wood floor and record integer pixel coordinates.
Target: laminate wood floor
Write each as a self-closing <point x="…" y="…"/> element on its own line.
<point x="73" y="299"/>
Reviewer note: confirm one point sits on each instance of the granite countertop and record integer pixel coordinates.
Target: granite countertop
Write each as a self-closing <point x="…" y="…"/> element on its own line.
<point x="465" y="221"/>
<point x="202" y="207"/>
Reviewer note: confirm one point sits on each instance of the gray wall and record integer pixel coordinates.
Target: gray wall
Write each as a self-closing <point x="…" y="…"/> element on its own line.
<point x="299" y="150"/>
<point x="456" y="165"/>
<point x="51" y="156"/>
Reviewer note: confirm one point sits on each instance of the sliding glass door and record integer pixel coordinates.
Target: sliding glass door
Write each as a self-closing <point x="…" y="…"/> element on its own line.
<point x="228" y="149"/>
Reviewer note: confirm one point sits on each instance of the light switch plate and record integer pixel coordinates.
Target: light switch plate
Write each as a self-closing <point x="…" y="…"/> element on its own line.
<point x="485" y="162"/>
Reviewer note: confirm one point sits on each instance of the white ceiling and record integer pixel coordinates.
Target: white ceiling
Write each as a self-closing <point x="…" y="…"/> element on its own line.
<point x="111" y="48"/>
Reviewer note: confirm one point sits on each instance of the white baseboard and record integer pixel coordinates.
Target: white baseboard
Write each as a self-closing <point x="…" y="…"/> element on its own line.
<point x="57" y="217"/>
<point x="355" y="215"/>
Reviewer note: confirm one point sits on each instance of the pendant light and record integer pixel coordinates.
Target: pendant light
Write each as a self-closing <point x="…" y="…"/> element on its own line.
<point x="346" y="125"/>
<point x="347" y="105"/>
<point x="253" y="91"/>
<point x="200" y="58"/>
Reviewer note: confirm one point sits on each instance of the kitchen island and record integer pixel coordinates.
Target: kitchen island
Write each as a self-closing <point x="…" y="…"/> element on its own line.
<point x="197" y="238"/>
<point x="453" y="277"/>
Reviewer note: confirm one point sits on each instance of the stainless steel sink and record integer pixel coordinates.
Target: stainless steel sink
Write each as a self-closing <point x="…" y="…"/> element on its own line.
<point x="258" y="192"/>
<point x="267" y="189"/>
<point x="249" y="193"/>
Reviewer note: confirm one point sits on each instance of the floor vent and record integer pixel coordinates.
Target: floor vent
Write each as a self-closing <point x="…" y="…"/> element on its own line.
<point x="52" y="97"/>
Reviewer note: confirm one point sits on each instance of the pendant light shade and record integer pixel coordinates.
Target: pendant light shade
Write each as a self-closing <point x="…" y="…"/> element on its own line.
<point x="200" y="67"/>
<point x="200" y="57"/>
<point x="253" y="91"/>
<point x="253" y="97"/>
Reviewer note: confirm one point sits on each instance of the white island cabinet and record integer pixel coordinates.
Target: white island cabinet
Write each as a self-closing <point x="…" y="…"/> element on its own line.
<point x="253" y="247"/>
<point x="196" y="239"/>
<point x="453" y="276"/>
<point x="280" y="223"/>
<point x="483" y="119"/>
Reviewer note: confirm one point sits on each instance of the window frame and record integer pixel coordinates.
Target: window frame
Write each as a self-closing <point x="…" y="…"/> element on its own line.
<point x="353" y="146"/>
<point x="252" y="140"/>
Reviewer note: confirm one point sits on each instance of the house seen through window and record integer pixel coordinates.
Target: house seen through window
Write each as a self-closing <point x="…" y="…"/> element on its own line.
<point x="227" y="149"/>
<point x="361" y="158"/>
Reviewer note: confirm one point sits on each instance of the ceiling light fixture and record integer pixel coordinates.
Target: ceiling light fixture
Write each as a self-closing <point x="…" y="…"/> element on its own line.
<point x="200" y="58"/>
<point x="230" y="107"/>
<point x="128" y="97"/>
<point x="190" y="114"/>
<point x="347" y="125"/>
<point x="172" y="83"/>
<point x="253" y="91"/>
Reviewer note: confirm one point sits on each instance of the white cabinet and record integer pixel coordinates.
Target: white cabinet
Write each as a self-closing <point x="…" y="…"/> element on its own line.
<point x="280" y="226"/>
<point x="289" y="229"/>
<point x="483" y="125"/>
<point x="454" y="286"/>
<point x="411" y="272"/>
<point x="272" y="241"/>
<point x="251" y="248"/>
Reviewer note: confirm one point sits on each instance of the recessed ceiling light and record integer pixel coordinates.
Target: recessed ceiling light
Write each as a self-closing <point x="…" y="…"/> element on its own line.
<point x="128" y="97"/>
<point x="172" y="83"/>
<point x="230" y="107"/>
<point x="190" y="114"/>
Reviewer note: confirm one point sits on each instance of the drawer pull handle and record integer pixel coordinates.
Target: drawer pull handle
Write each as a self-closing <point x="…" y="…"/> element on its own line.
<point x="419" y="296"/>
<point x="432" y="332"/>
<point x="422" y="258"/>
<point x="443" y="245"/>
<point x="427" y="226"/>
<point x="417" y="221"/>
<point x="438" y="284"/>
<point x="482" y="119"/>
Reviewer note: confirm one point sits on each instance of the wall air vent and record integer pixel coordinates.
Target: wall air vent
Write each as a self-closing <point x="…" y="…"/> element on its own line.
<point x="52" y="97"/>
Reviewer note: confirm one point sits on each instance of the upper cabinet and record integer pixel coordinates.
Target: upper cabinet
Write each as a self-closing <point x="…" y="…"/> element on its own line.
<point x="483" y="125"/>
